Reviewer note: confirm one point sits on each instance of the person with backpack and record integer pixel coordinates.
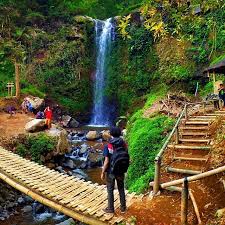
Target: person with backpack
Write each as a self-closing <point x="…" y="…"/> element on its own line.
<point x="116" y="163"/>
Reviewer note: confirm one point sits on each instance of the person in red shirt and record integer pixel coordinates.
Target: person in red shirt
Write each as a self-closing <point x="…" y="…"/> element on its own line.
<point x="48" y="116"/>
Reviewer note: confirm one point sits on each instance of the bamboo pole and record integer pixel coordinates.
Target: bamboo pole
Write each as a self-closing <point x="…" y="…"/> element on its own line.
<point x="77" y="216"/>
<point x="179" y="189"/>
<point x="184" y="202"/>
<point x="157" y="175"/>
<point x="177" y="136"/>
<point x="186" y="111"/>
<point x="17" y="78"/>
<point x="195" y="207"/>
<point x="195" y="177"/>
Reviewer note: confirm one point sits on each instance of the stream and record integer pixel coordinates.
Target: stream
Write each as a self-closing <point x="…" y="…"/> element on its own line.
<point x="77" y="163"/>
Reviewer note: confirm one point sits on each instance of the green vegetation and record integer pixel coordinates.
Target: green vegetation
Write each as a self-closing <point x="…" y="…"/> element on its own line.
<point x="145" y="138"/>
<point x="160" y="46"/>
<point x="35" y="146"/>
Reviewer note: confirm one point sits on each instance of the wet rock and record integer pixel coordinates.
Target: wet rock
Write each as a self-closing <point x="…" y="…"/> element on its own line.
<point x="68" y="121"/>
<point x="60" y="169"/>
<point x="28" y="199"/>
<point x="35" y="125"/>
<point x="67" y="222"/>
<point x="95" y="159"/>
<point x="84" y="148"/>
<point x="21" y="200"/>
<point x="80" y="174"/>
<point x="70" y="173"/>
<point x="27" y="209"/>
<point x="69" y="163"/>
<point x="106" y="135"/>
<point x="63" y="144"/>
<point x="92" y="135"/>
<point x="73" y="123"/>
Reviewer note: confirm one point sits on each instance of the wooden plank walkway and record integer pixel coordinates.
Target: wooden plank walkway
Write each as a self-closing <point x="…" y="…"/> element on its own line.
<point x="74" y="197"/>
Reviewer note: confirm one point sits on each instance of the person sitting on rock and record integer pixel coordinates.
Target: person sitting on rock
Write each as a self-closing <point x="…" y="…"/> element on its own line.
<point x="48" y="117"/>
<point x="11" y="110"/>
<point x="40" y="115"/>
<point x="24" y="106"/>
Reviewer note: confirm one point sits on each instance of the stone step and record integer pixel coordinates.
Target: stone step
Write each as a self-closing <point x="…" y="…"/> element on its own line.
<point x="194" y="133"/>
<point x="195" y="140"/>
<point x="200" y="119"/>
<point x="217" y="115"/>
<point x="189" y="158"/>
<point x="183" y="171"/>
<point x="192" y="147"/>
<point x="203" y="117"/>
<point x="197" y="122"/>
<point x="220" y="112"/>
<point x="194" y="128"/>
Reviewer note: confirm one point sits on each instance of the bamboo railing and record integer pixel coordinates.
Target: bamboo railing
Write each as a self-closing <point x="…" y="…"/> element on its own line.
<point x="175" y="131"/>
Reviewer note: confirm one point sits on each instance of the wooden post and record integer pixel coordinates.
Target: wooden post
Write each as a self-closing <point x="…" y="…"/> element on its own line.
<point x="177" y="136"/>
<point x="157" y="175"/>
<point x="214" y="82"/>
<point x="17" y="78"/>
<point x="186" y="112"/>
<point x="184" y="203"/>
<point x="204" y="107"/>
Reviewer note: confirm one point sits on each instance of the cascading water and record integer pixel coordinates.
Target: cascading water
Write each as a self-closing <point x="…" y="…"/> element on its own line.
<point x="104" y="35"/>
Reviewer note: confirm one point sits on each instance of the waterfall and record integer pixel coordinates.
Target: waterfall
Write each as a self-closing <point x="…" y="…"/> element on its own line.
<point x="104" y="34"/>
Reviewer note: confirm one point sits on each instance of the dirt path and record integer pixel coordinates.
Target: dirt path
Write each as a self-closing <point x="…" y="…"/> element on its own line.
<point x="13" y="125"/>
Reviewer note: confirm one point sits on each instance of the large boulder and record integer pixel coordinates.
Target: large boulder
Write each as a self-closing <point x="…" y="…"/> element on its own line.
<point x="68" y="121"/>
<point x="92" y="135"/>
<point x="106" y="135"/>
<point x="35" y="125"/>
<point x="36" y="102"/>
<point x="63" y="144"/>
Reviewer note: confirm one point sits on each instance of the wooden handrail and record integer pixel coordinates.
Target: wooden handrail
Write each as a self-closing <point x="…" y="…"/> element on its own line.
<point x="184" y="113"/>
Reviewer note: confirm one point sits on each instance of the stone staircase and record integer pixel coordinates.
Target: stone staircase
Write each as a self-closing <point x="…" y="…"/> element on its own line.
<point x="190" y="155"/>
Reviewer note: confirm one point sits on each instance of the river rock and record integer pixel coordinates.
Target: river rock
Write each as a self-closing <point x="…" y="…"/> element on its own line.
<point x="69" y="163"/>
<point x="36" y="102"/>
<point x="95" y="159"/>
<point x="106" y="135"/>
<point x="68" y="121"/>
<point x="84" y="148"/>
<point x="92" y="135"/>
<point x="35" y="125"/>
<point x="73" y="123"/>
<point x="80" y="174"/>
<point x="21" y="200"/>
<point x="63" y="144"/>
<point x="67" y="222"/>
<point x="27" y="209"/>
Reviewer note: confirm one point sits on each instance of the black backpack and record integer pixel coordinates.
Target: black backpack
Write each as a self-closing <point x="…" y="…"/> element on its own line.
<point x="119" y="161"/>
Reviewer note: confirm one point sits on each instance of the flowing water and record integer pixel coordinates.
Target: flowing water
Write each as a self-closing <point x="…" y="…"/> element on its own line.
<point x="104" y="36"/>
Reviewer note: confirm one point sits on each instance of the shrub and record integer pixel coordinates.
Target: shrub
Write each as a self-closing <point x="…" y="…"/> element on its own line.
<point x="145" y="138"/>
<point x="36" y="145"/>
<point x="21" y="150"/>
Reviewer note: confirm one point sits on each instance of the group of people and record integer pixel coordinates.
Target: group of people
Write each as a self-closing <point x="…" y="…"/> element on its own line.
<point x="27" y="106"/>
<point x="47" y="115"/>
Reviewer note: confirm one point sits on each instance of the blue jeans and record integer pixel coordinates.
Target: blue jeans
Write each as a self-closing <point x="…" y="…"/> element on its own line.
<point x="110" y="188"/>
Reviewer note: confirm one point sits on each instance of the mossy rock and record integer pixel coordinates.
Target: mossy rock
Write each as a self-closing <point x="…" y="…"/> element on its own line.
<point x="83" y="19"/>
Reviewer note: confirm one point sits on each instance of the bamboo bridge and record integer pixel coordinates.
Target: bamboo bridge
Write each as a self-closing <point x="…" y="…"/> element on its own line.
<point x="72" y="196"/>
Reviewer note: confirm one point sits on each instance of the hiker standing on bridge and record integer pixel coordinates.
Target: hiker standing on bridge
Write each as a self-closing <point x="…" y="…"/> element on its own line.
<point x="48" y="117"/>
<point x="115" y="166"/>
